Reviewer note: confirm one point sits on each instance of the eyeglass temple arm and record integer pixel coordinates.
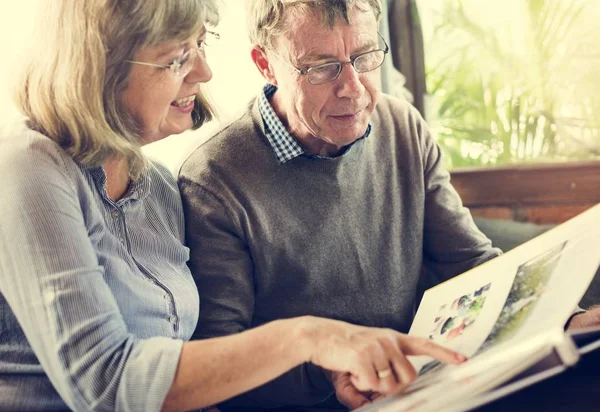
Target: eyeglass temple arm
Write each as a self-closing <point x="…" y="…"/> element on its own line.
<point x="162" y="66"/>
<point x="387" y="48"/>
<point x="301" y="71"/>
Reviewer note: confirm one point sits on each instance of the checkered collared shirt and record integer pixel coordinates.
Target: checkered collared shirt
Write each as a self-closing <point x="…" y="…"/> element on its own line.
<point x="284" y="145"/>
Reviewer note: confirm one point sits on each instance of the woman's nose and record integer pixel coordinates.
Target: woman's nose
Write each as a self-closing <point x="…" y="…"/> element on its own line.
<point x="201" y="72"/>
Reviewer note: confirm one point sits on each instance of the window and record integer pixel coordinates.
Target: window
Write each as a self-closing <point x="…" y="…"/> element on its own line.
<point x="513" y="81"/>
<point x="508" y="82"/>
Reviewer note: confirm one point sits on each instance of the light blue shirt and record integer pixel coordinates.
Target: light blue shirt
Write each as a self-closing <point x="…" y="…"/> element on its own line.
<point x="95" y="296"/>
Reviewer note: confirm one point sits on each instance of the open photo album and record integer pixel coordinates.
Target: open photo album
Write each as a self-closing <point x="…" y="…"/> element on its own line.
<point x="508" y="317"/>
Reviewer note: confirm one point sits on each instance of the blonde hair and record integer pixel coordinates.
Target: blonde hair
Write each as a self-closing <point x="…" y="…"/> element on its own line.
<point x="267" y="19"/>
<point x="71" y="85"/>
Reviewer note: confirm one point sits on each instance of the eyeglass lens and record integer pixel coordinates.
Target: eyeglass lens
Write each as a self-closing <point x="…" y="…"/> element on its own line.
<point x="363" y="63"/>
<point x="185" y="65"/>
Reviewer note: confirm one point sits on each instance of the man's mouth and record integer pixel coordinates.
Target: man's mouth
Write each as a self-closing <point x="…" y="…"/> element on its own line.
<point x="346" y="116"/>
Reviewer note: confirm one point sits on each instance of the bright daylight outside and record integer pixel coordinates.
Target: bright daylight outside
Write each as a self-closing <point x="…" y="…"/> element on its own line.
<point x="508" y="82"/>
<point x="513" y="81"/>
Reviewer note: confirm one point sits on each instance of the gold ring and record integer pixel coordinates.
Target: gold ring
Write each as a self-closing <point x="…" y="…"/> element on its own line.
<point x="384" y="373"/>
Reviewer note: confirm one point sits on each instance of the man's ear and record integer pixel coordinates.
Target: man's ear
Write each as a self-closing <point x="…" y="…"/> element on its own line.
<point x="260" y="59"/>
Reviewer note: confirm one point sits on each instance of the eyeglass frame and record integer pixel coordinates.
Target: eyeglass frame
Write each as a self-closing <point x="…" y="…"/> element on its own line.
<point x="305" y="71"/>
<point x="176" y="65"/>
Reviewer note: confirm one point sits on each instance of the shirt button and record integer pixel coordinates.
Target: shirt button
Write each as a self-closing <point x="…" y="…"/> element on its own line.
<point x="173" y="319"/>
<point x="167" y="297"/>
<point x="115" y="214"/>
<point x="151" y="281"/>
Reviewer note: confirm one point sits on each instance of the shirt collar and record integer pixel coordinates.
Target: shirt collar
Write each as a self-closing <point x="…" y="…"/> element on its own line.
<point x="138" y="190"/>
<point x="283" y="143"/>
<point x="285" y="146"/>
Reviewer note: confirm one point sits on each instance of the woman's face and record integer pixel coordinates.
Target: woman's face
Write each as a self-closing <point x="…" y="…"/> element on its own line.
<point x="160" y="100"/>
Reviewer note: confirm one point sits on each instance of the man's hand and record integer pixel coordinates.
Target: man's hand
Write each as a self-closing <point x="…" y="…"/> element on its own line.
<point x="587" y="319"/>
<point x="346" y="392"/>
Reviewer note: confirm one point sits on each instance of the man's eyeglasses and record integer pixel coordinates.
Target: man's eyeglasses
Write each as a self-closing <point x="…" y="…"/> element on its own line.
<point x="182" y="66"/>
<point x="328" y="72"/>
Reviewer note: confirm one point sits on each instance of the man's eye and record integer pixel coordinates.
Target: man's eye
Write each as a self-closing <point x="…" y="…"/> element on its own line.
<point x="324" y="68"/>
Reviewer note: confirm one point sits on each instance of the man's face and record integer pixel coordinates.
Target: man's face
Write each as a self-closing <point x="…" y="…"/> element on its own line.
<point x="326" y="117"/>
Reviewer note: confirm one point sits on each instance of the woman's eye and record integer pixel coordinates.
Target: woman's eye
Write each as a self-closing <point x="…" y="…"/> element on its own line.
<point x="184" y="58"/>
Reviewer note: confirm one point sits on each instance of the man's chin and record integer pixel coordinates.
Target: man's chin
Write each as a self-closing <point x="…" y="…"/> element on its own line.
<point x="346" y="136"/>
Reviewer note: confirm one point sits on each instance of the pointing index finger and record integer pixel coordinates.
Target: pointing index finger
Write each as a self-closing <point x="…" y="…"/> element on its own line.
<point x="419" y="346"/>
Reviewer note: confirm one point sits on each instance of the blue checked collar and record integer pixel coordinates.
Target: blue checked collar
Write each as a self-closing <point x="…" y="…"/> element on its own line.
<point x="284" y="145"/>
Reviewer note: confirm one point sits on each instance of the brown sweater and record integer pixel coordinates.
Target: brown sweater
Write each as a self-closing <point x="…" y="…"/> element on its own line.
<point x="343" y="238"/>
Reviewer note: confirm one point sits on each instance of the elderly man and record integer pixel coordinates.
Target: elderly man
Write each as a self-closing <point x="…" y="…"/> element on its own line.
<point x="325" y="197"/>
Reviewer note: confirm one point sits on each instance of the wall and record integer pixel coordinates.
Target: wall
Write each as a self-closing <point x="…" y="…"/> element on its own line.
<point x="541" y="194"/>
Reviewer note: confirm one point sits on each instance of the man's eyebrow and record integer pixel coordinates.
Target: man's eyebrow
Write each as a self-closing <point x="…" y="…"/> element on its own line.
<point x="366" y="47"/>
<point x="307" y="58"/>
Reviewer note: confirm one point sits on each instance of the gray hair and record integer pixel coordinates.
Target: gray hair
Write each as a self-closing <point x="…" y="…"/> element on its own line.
<point x="267" y="19"/>
<point x="71" y="84"/>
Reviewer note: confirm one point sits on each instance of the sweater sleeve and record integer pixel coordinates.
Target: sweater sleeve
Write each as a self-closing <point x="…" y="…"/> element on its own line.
<point x="452" y="244"/>
<point x="222" y="267"/>
<point x="54" y="286"/>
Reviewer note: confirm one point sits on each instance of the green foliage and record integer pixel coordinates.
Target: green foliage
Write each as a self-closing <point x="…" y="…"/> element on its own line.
<point x="497" y="105"/>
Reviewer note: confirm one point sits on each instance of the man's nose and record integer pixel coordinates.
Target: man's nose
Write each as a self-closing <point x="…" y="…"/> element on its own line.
<point x="349" y="82"/>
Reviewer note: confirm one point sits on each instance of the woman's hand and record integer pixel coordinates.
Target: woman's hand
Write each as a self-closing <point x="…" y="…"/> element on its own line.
<point x="370" y="359"/>
<point x="212" y="370"/>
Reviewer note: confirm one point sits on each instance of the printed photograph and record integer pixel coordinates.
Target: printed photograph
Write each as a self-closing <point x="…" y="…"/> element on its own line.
<point x="529" y="284"/>
<point x="453" y="318"/>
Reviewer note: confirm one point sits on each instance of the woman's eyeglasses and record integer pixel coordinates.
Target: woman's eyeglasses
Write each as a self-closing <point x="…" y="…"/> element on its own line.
<point x="182" y="66"/>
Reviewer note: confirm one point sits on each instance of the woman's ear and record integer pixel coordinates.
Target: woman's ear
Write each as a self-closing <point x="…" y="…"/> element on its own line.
<point x="260" y="59"/>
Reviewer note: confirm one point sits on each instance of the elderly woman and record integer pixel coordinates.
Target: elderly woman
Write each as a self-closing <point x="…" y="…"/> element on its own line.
<point x="96" y="300"/>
